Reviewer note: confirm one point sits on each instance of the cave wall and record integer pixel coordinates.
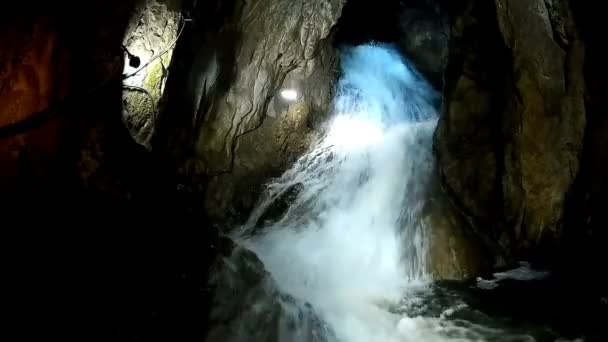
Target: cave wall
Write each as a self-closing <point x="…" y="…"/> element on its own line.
<point x="59" y="96"/>
<point x="586" y="232"/>
<point x="511" y="137"/>
<point x="543" y="146"/>
<point x="100" y="246"/>
<point x="469" y="128"/>
<point x="31" y="58"/>
<point x="515" y="154"/>
<point x="509" y="144"/>
<point x="62" y="119"/>
<point x="151" y="36"/>
<point x="238" y="132"/>
<point x="424" y="37"/>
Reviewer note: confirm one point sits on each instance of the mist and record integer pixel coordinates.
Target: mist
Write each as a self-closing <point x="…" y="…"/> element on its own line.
<point x="347" y="244"/>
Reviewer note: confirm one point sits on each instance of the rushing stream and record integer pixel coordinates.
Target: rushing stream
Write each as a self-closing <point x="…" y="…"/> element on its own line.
<point x="344" y="244"/>
<point x="344" y="257"/>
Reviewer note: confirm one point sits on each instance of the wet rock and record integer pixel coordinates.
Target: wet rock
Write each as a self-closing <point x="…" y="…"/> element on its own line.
<point x="277" y="208"/>
<point x="509" y="142"/>
<point x="30" y="56"/>
<point x="149" y="42"/>
<point x="468" y="135"/>
<point x="424" y="37"/>
<point x="454" y="253"/>
<point x="248" y="306"/>
<point x="240" y="131"/>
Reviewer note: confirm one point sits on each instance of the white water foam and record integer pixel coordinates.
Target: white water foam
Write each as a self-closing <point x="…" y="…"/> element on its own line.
<point x="344" y="244"/>
<point x="349" y="242"/>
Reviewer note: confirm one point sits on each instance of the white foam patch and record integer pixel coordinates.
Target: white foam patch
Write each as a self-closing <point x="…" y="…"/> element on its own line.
<point x="522" y="273"/>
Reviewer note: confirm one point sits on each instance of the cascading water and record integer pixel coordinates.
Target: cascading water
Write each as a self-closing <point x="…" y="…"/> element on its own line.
<point x="345" y="259"/>
<point x="347" y="244"/>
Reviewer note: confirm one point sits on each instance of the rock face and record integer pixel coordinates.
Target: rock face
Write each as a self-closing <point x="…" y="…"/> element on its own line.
<point x="27" y="86"/>
<point x="247" y="304"/>
<point x="544" y="124"/>
<point x="424" y="35"/>
<point x="54" y="82"/>
<point x="242" y="130"/>
<point x="150" y="39"/>
<point x="454" y="253"/>
<point x="586" y="234"/>
<point x="509" y="143"/>
<point x="468" y="137"/>
<point x="31" y="59"/>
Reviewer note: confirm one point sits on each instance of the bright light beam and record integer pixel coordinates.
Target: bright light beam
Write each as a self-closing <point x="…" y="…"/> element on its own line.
<point x="289" y="94"/>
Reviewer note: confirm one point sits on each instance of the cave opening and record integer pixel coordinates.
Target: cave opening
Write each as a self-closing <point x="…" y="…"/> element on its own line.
<point x="418" y="29"/>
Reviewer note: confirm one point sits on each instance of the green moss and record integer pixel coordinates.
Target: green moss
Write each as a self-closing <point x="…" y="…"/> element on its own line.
<point x="153" y="79"/>
<point x="138" y="104"/>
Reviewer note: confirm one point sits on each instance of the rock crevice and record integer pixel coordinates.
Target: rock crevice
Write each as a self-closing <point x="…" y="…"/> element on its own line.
<point x="514" y="187"/>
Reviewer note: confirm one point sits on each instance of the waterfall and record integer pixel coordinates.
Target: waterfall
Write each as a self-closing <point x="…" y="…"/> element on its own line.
<point x="335" y="250"/>
<point x="349" y="242"/>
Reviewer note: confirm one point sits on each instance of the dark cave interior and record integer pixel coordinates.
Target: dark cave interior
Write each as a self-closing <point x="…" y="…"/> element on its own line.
<point x="403" y="23"/>
<point x="361" y="23"/>
<point x="124" y="254"/>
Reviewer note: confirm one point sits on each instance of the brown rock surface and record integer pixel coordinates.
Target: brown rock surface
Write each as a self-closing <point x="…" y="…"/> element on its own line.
<point x="510" y="142"/>
<point x="30" y="81"/>
<point x="242" y="131"/>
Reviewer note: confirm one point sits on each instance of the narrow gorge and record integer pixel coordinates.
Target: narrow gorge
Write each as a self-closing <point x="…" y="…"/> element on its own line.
<point x="314" y="170"/>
